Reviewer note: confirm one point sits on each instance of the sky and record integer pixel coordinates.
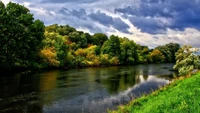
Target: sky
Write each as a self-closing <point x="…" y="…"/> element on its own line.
<point x="147" y="22"/>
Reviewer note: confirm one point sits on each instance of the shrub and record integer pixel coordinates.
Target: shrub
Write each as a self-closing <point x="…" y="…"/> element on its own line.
<point x="114" y="61"/>
<point x="49" y="56"/>
<point x="186" y="61"/>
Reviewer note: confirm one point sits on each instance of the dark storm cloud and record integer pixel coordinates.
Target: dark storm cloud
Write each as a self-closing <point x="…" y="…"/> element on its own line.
<point x="101" y="18"/>
<point x="148" y="25"/>
<point x="107" y="20"/>
<point x="78" y="19"/>
<point x="180" y="14"/>
<point x="80" y="13"/>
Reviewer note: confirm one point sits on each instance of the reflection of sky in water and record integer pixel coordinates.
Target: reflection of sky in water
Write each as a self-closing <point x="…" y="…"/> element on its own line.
<point x="80" y="90"/>
<point x="99" y="100"/>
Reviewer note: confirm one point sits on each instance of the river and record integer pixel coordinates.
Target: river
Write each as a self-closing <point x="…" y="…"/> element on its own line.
<point x="90" y="90"/>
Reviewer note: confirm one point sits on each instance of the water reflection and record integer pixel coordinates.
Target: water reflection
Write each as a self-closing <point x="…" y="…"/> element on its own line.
<point x="48" y="81"/>
<point x="80" y="90"/>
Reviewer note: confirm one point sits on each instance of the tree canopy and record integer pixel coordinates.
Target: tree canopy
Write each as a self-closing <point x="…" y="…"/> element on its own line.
<point x="20" y="36"/>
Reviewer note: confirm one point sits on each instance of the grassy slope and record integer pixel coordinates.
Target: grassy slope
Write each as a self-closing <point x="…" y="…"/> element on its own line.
<point x="181" y="96"/>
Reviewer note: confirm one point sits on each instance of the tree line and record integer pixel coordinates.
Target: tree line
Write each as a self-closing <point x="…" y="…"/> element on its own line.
<point x="28" y="43"/>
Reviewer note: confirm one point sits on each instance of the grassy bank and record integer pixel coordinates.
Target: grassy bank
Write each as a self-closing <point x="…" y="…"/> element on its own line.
<point x="181" y="96"/>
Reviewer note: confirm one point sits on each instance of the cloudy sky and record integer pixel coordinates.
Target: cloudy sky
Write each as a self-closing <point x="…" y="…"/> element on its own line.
<point x="147" y="22"/>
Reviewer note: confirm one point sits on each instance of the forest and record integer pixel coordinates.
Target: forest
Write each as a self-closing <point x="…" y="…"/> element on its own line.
<point x="26" y="43"/>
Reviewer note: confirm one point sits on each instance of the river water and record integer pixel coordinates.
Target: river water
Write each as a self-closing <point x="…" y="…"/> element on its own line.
<point x="90" y="90"/>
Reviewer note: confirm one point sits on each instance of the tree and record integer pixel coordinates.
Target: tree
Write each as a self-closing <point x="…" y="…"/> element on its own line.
<point x="49" y="56"/>
<point x="99" y="39"/>
<point x="112" y="46"/>
<point x="61" y="30"/>
<point x="20" y="36"/>
<point x="88" y="37"/>
<point x="129" y="53"/>
<point x="79" y="38"/>
<point x="58" y="42"/>
<point x="157" y="56"/>
<point x="166" y="52"/>
<point x="186" y="60"/>
<point x="143" y="52"/>
<point x="173" y="48"/>
<point x="169" y="51"/>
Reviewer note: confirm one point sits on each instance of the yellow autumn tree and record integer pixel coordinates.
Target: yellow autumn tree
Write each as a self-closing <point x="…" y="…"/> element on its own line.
<point x="49" y="56"/>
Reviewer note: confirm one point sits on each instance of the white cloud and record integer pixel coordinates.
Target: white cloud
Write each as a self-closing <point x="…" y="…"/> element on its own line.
<point x="5" y="1"/>
<point x="189" y="36"/>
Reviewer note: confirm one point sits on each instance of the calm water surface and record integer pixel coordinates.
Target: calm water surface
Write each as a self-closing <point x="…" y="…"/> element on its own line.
<point x="90" y="90"/>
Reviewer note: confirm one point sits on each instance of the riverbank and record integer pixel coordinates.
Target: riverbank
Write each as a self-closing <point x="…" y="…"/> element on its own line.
<point x="181" y="96"/>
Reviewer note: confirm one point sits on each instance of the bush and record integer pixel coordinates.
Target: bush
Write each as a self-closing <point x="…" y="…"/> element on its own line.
<point x="114" y="61"/>
<point x="186" y="61"/>
<point x="104" y="59"/>
<point x="49" y="56"/>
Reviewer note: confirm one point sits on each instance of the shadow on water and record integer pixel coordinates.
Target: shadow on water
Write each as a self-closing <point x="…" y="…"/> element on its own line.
<point x="80" y="90"/>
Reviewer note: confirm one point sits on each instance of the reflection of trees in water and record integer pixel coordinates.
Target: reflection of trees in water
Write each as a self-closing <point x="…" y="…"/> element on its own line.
<point x="145" y="77"/>
<point x="48" y="81"/>
<point x="121" y="80"/>
<point x="166" y="77"/>
<point x="9" y="86"/>
<point x="16" y="94"/>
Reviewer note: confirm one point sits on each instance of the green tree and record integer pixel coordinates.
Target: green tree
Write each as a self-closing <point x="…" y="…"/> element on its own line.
<point x="156" y="56"/>
<point x="59" y="43"/>
<point x="20" y="36"/>
<point x="99" y="39"/>
<point x="169" y="51"/>
<point x="62" y="30"/>
<point x="166" y="52"/>
<point x="129" y="53"/>
<point x="113" y="46"/>
<point x="173" y="48"/>
<point x="143" y="52"/>
<point x="79" y="38"/>
<point x="186" y="60"/>
<point x="88" y="37"/>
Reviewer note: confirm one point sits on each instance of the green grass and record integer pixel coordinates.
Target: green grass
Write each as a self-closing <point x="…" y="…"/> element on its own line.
<point x="181" y="96"/>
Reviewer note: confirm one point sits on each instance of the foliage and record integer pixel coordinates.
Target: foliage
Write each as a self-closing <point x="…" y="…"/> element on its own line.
<point x="79" y="38"/>
<point x="173" y="48"/>
<point x="99" y="39"/>
<point x="166" y="52"/>
<point x="143" y="54"/>
<point x="112" y="46"/>
<point x="21" y="36"/>
<point x="169" y="51"/>
<point x="104" y="59"/>
<point x="186" y="60"/>
<point x="114" y="61"/>
<point x="49" y="56"/>
<point x="156" y="56"/>
<point x="129" y="53"/>
<point x="59" y="43"/>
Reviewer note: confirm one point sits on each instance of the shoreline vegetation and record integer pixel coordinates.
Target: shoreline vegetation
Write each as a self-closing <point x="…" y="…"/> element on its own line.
<point x="180" y="96"/>
<point x="28" y="44"/>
